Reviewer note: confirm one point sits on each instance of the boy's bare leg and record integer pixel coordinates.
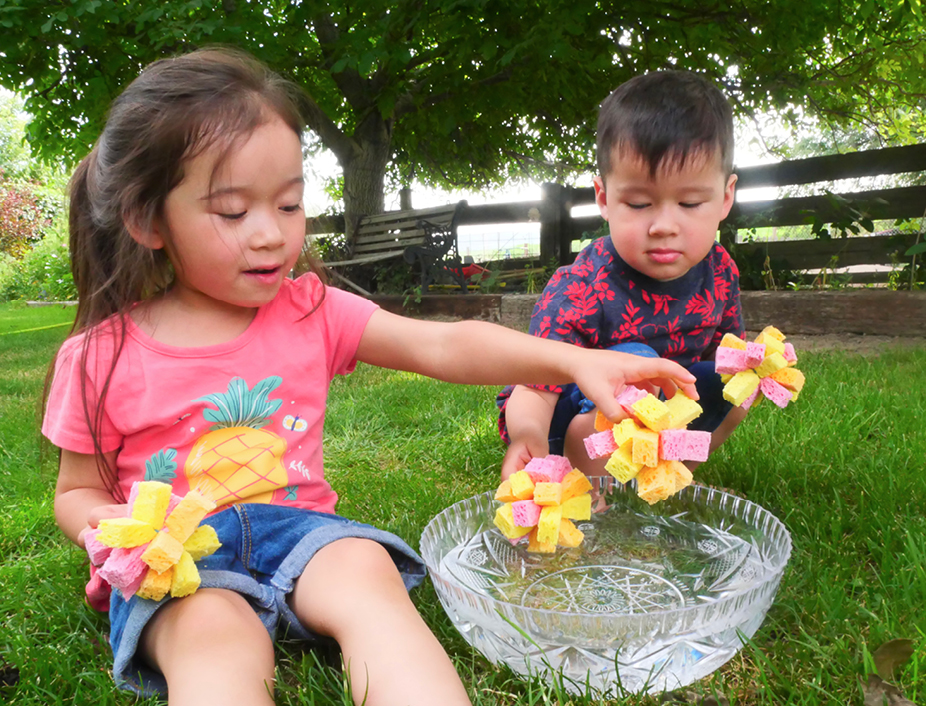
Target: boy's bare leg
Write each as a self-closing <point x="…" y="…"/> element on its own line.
<point x="582" y="426"/>
<point x="213" y="649"/>
<point x="352" y="592"/>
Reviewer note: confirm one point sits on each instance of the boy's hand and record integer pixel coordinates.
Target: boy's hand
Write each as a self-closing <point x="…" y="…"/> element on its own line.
<point x="604" y="373"/>
<point x="101" y="512"/>
<point x="520" y="452"/>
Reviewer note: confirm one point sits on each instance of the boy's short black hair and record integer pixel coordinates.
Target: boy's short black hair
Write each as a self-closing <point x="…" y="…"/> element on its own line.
<point x="665" y="115"/>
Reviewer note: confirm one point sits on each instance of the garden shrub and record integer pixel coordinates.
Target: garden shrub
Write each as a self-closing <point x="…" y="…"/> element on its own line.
<point x="43" y="273"/>
<point x="22" y="218"/>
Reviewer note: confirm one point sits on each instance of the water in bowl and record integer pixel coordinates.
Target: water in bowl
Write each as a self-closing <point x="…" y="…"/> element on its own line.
<point x="627" y="564"/>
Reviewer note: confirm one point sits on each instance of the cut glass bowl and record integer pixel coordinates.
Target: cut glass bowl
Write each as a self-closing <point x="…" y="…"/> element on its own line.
<point x="653" y="599"/>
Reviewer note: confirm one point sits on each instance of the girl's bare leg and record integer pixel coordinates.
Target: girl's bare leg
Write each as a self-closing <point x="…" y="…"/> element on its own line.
<point x="213" y="649"/>
<point x="352" y="592"/>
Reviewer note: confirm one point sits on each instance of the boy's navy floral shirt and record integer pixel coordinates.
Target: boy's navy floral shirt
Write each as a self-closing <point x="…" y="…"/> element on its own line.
<point x="599" y="301"/>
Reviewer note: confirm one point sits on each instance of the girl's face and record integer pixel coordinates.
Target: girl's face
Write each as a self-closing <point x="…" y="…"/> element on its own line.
<point x="234" y="233"/>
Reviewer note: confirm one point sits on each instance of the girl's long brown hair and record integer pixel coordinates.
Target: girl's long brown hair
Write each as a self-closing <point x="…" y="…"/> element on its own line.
<point x="173" y="111"/>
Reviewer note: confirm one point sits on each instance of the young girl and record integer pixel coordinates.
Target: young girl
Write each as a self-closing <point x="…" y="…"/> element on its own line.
<point x="195" y="360"/>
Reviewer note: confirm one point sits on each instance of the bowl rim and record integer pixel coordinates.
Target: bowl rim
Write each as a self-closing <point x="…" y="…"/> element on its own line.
<point x="772" y="576"/>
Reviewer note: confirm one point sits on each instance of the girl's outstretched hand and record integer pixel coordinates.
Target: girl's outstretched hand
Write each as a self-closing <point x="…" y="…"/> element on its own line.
<point x="601" y="375"/>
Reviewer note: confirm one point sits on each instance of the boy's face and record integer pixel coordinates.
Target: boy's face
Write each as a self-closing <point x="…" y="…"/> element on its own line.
<point x="663" y="226"/>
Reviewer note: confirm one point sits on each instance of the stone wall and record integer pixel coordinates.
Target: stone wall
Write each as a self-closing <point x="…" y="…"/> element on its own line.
<point x="857" y="311"/>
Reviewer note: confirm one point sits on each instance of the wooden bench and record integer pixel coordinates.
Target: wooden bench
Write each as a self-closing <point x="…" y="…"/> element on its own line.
<point x="427" y="236"/>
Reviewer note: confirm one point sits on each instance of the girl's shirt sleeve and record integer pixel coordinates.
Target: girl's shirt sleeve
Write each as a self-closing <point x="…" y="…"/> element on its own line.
<point x="344" y="318"/>
<point x="66" y="421"/>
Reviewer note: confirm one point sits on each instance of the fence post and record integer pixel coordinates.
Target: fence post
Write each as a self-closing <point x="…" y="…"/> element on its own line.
<point x="553" y="223"/>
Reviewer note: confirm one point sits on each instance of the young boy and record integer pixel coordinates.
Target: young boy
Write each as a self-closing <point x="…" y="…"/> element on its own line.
<point x="660" y="284"/>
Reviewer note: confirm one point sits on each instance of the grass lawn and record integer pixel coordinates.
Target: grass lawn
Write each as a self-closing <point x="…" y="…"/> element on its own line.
<point x="844" y="468"/>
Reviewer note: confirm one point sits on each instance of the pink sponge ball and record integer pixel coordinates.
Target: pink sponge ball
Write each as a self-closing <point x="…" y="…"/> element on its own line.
<point x="755" y="354"/>
<point x="629" y="395"/>
<point x="600" y="444"/>
<point x="775" y="392"/>
<point x="729" y="361"/>
<point x="526" y="513"/>
<point x="684" y="445"/>
<point x="96" y="550"/>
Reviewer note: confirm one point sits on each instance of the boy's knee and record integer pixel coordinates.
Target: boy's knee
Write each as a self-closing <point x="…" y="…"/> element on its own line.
<point x="635" y="348"/>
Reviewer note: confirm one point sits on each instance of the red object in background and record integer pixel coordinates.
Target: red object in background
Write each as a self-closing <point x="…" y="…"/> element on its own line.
<point x="469" y="271"/>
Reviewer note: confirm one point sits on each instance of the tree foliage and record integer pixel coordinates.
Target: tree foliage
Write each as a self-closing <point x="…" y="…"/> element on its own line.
<point x="469" y="92"/>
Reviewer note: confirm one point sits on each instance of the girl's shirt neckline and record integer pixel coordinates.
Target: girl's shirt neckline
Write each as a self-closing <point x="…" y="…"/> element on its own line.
<point x="236" y="343"/>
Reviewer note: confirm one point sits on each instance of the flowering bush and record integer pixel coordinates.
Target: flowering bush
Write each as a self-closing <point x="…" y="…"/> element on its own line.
<point x="43" y="273"/>
<point x="22" y="219"/>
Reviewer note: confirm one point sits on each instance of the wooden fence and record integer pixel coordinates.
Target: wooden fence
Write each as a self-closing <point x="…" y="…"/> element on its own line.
<point x="559" y="228"/>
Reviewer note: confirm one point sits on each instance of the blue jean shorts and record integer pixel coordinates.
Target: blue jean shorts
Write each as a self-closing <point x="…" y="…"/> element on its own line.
<point x="710" y="391"/>
<point x="265" y="548"/>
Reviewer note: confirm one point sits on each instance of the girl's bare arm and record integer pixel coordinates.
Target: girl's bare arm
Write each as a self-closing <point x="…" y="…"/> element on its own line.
<point x="81" y="497"/>
<point x="479" y="353"/>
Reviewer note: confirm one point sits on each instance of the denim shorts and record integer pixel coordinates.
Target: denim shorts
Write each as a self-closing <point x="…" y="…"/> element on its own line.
<point x="265" y="548"/>
<point x="710" y="390"/>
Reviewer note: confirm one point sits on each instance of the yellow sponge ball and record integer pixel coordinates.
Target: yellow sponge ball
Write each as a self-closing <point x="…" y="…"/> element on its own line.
<point x="646" y="447"/>
<point x="652" y="412"/>
<point x="740" y="387"/>
<point x="569" y="535"/>
<point x="771" y="364"/>
<point x="522" y="487"/>
<point x="731" y="341"/>
<point x="683" y="410"/>
<point x="578" y="508"/>
<point x="621" y="464"/>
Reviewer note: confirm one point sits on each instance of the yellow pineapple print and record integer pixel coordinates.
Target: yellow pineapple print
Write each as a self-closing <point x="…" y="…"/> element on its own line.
<point x="237" y="460"/>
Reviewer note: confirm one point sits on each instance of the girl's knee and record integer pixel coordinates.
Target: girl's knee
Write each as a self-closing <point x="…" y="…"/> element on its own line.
<point x="357" y="563"/>
<point x="203" y="620"/>
<point x="345" y="580"/>
<point x="211" y="647"/>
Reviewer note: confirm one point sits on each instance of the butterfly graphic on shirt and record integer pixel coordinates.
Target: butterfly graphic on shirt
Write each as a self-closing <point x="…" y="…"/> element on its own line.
<point x="295" y="423"/>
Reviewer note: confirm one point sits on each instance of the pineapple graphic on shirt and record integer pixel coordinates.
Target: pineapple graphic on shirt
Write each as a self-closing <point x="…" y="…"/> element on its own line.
<point x="238" y="460"/>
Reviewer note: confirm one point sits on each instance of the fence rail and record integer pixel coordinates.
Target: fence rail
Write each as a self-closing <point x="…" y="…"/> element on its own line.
<point x="559" y="228"/>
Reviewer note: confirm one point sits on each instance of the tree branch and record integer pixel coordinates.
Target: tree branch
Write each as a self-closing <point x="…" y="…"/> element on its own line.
<point x="331" y="135"/>
<point x="349" y="81"/>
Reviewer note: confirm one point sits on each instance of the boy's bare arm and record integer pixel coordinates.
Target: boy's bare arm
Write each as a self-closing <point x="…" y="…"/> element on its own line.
<point x="81" y="497"/>
<point x="527" y="416"/>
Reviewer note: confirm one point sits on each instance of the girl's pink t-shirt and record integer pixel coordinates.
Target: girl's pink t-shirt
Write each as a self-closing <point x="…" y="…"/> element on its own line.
<point x="240" y="421"/>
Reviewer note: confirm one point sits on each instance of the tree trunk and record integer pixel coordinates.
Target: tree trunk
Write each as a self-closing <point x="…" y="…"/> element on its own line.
<point x="365" y="172"/>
